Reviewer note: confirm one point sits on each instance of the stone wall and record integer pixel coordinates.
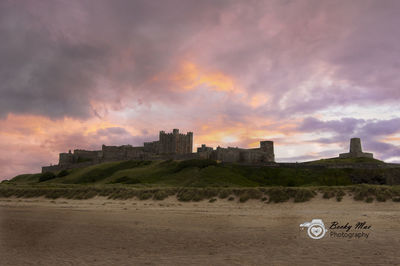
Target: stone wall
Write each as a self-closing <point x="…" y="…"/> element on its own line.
<point x="84" y="155"/>
<point x="228" y="155"/>
<point x="66" y="158"/>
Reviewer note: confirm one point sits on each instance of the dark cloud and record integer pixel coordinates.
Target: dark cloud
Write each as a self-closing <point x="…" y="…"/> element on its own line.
<point x="57" y="58"/>
<point x="42" y="73"/>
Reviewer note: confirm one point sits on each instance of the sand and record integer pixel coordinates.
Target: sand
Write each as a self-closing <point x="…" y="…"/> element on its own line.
<point x="110" y="232"/>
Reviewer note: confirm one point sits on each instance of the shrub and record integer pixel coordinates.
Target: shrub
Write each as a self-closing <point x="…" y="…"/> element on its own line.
<point x="231" y="198"/>
<point x="160" y="195"/>
<point x="186" y="195"/>
<point x="383" y="194"/>
<point x="212" y="200"/>
<point x="303" y="195"/>
<point x="254" y="193"/>
<point x="339" y="195"/>
<point x="380" y="197"/>
<point x="144" y="195"/>
<point x="361" y="193"/>
<point x="369" y="199"/>
<point x="396" y="199"/>
<point x="63" y="173"/>
<point x="278" y="195"/>
<point x="244" y="197"/>
<point x="328" y="194"/>
<point x="224" y="193"/>
<point x="46" y="176"/>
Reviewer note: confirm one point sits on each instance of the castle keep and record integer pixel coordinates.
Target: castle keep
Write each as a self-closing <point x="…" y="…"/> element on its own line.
<point x="173" y="145"/>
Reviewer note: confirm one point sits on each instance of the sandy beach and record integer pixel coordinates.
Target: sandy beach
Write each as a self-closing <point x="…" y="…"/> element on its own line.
<point x="100" y="231"/>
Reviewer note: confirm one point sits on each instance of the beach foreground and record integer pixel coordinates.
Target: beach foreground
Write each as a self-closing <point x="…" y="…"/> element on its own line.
<point x="100" y="231"/>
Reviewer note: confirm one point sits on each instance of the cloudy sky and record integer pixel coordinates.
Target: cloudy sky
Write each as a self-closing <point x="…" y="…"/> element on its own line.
<point x="307" y="74"/>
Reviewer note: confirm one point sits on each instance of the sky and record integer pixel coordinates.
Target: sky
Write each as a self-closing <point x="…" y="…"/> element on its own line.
<point x="307" y="74"/>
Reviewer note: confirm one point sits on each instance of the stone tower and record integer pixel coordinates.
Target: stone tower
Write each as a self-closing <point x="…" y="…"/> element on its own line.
<point x="355" y="146"/>
<point x="356" y="150"/>
<point x="268" y="147"/>
<point x="175" y="143"/>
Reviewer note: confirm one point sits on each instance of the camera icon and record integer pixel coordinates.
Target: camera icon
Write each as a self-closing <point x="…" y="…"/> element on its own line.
<point x="316" y="228"/>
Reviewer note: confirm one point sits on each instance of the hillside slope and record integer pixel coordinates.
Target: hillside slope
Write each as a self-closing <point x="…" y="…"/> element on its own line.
<point x="206" y="173"/>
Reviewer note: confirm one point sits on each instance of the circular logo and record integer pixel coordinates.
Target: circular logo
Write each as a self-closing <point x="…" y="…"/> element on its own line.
<point x="316" y="231"/>
<point x="316" y="228"/>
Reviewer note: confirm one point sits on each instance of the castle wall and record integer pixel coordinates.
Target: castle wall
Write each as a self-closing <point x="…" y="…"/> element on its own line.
<point x="263" y="154"/>
<point x="229" y="155"/>
<point x="152" y="147"/>
<point x="252" y="156"/>
<point x="66" y="159"/>
<point x="204" y="152"/>
<point x="136" y="153"/>
<point x="84" y="155"/>
<point x="113" y="153"/>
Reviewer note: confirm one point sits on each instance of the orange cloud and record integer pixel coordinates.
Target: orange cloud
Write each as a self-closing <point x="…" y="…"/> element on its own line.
<point x="191" y="76"/>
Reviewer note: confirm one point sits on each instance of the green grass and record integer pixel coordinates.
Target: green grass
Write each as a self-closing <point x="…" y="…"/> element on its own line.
<point x="208" y="173"/>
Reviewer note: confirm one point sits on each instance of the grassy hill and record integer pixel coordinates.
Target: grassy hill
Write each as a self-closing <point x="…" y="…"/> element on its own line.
<point x="338" y="160"/>
<point x="208" y="173"/>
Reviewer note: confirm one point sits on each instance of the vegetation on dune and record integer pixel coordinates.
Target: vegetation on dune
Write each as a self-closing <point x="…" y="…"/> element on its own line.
<point x="367" y="193"/>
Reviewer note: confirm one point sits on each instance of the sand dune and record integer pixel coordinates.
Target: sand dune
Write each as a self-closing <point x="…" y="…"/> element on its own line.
<point x="131" y="232"/>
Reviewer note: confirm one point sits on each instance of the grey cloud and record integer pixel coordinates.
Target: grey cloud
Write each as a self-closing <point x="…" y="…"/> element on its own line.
<point x="55" y="63"/>
<point x="383" y="127"/>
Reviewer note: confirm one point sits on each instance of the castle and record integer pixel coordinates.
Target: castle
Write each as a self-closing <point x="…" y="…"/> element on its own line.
<point x="177" y="146"/>
<point x="173" y="145"/>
